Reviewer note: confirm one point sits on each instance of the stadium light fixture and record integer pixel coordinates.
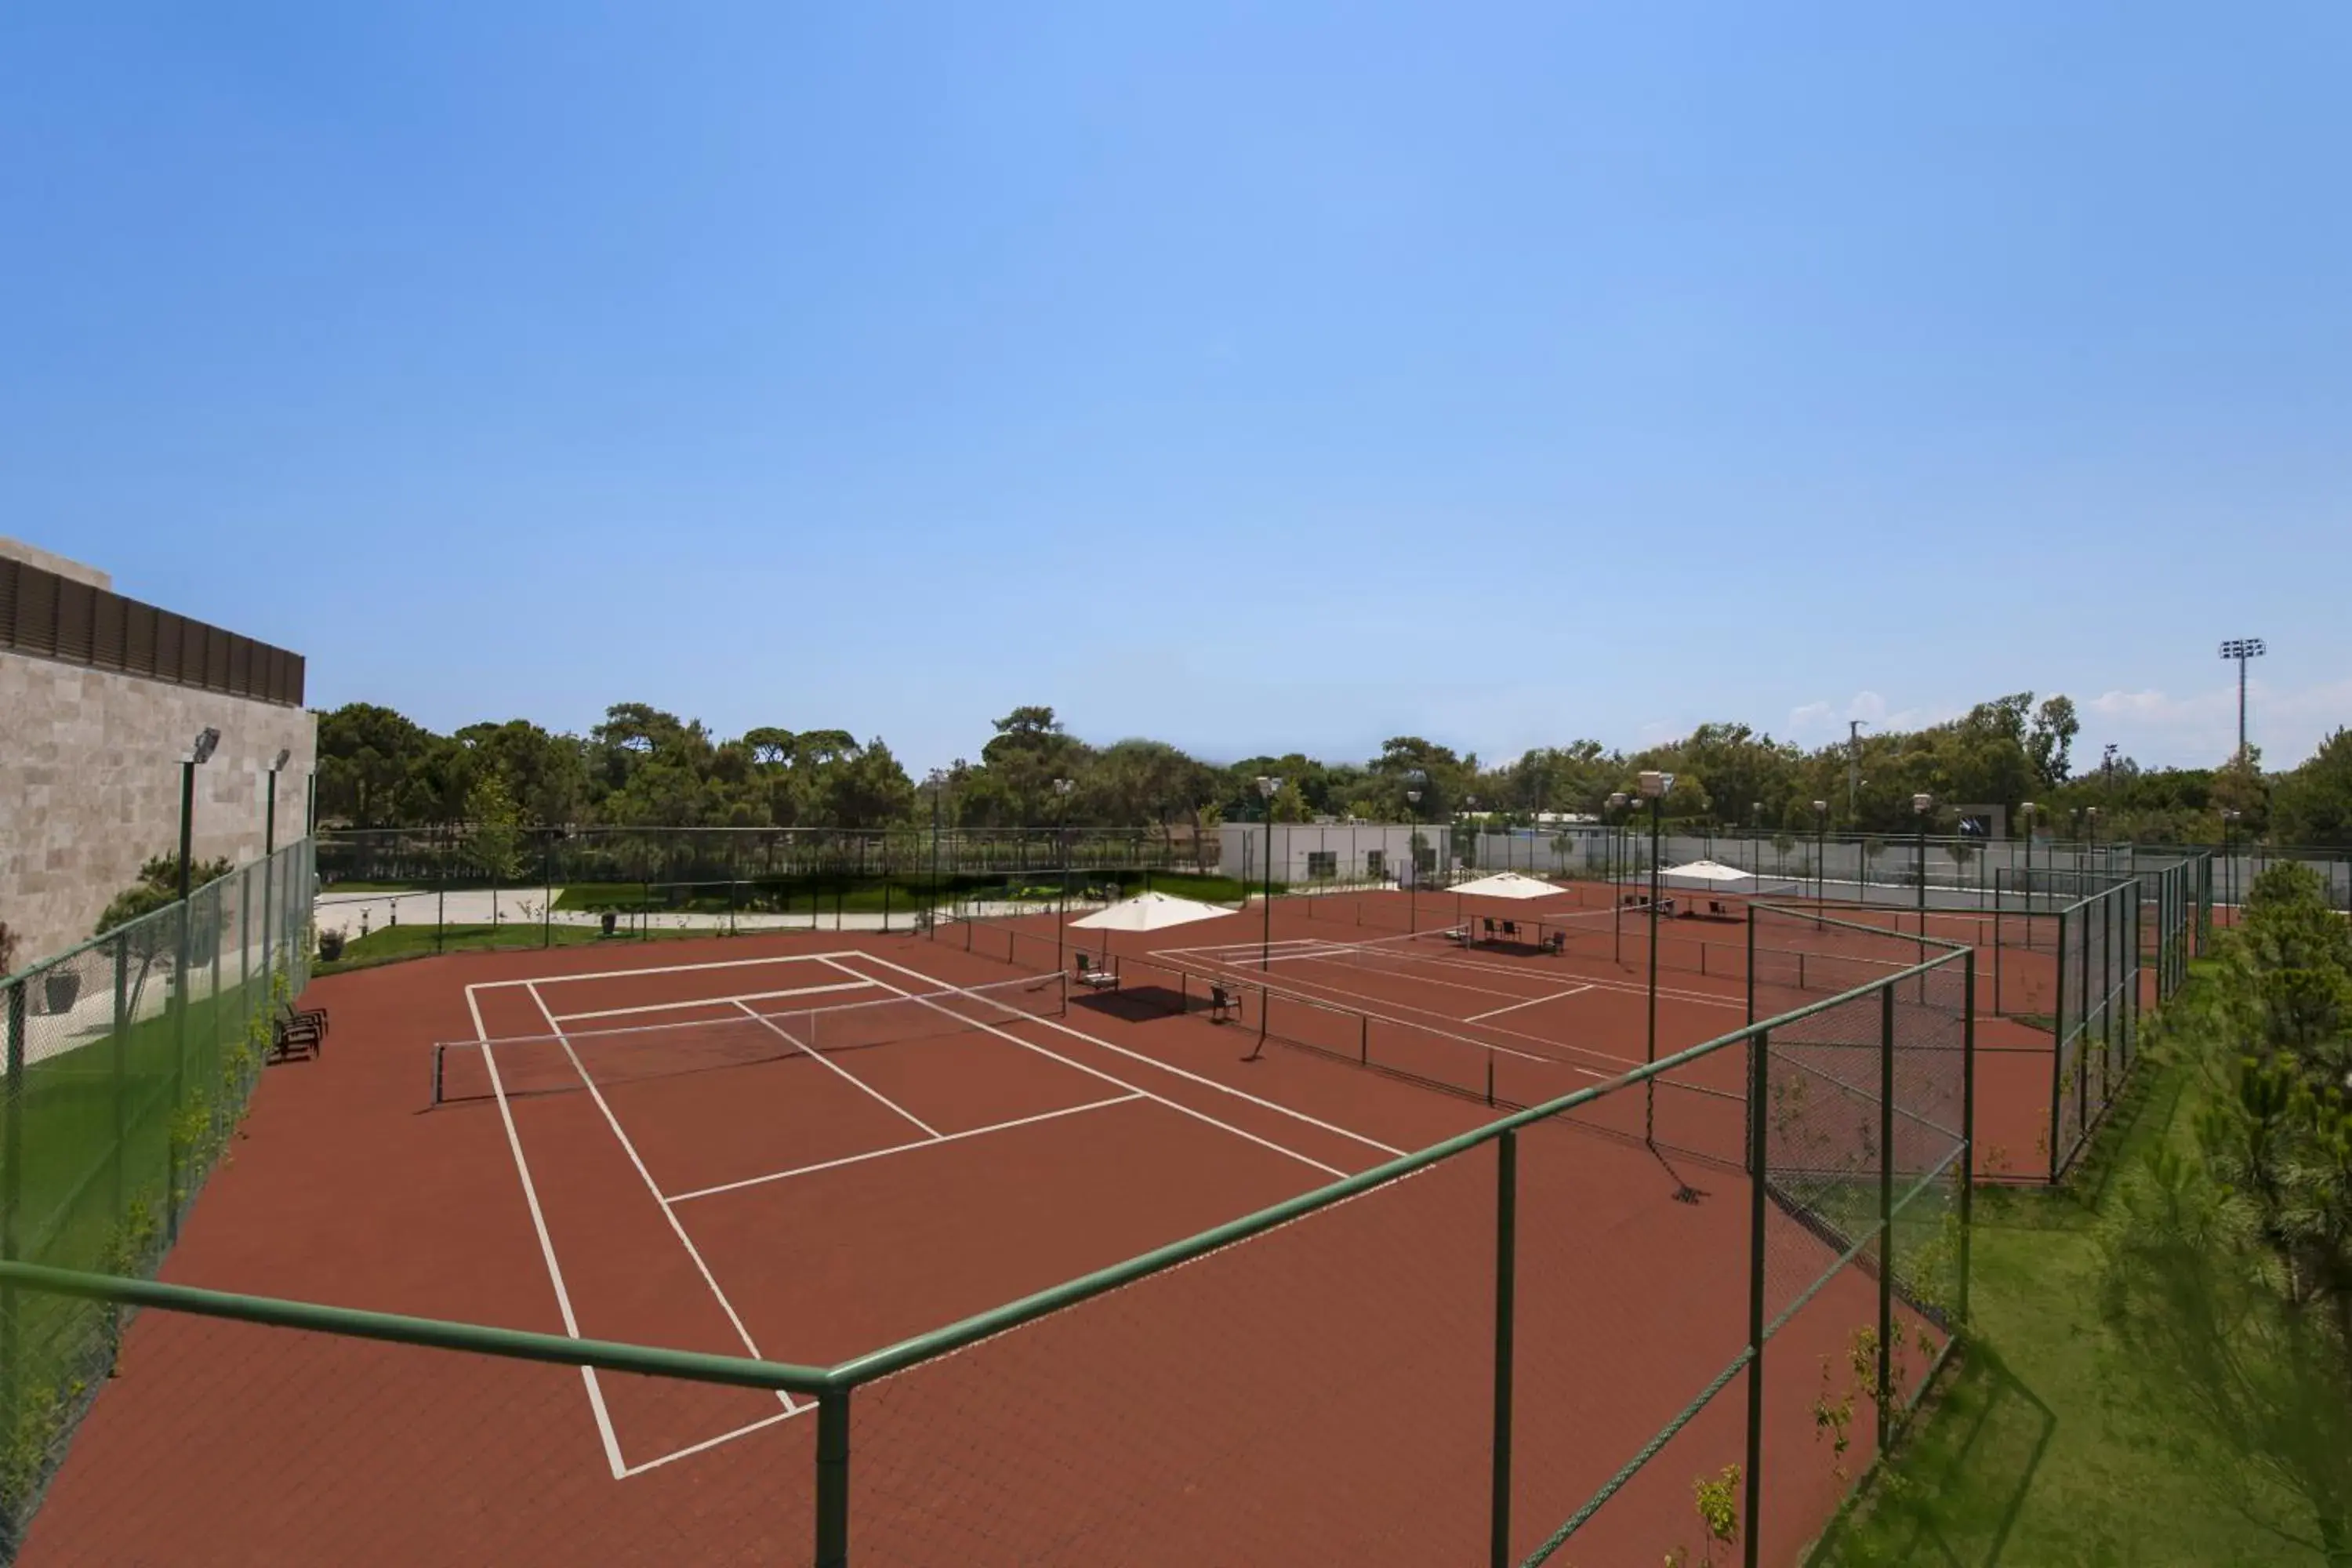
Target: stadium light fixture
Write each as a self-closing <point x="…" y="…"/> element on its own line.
<point x="938" y="780"/>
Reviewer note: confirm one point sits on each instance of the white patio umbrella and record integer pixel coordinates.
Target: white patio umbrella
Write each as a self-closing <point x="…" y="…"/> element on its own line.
<point x="1149" y="912"/>
<point x="1507" y="885"/>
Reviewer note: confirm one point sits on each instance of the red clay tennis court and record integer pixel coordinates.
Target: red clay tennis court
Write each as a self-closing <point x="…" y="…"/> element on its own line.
<point x="806" y="1150"/>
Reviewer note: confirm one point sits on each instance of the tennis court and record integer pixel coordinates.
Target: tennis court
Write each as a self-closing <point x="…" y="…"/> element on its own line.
<point x="816" y="1151"/>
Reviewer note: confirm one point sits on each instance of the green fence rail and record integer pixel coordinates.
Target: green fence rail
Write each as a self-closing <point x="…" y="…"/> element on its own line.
<point x="1493" y="1349"/>
<point x="129" y="1061"/>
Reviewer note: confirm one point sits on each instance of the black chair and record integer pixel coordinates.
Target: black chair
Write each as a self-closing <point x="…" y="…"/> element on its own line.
<point x="1557" y="943"/>
<point x="1223" y="1004"/>
<point x="1490" y="927"/>
<point x="1510" y="931"/>
<point x="1096" y="979"/>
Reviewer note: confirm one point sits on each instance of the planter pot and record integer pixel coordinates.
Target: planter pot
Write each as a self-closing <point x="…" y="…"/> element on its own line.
<point x="607" y="920"/>
<point x="61" y="991"/>
<point x="331" y="945"/>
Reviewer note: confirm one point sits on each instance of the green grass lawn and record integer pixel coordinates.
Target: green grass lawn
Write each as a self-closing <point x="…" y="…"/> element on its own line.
<point x="390" y="944"/>
<point x="2030" y="1455"/>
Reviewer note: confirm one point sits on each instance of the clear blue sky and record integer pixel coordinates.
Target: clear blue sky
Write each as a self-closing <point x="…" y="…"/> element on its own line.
<point x="1252" y="376"/>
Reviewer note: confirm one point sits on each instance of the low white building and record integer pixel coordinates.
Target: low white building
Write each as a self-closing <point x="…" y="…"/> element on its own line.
<point x="1312" y="852"/>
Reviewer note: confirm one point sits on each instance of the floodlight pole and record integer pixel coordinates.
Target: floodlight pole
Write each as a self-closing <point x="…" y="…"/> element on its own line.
<point x="2241" y="649"/>
<point x="198" y="754"/>
<point x="1265" y="788"/>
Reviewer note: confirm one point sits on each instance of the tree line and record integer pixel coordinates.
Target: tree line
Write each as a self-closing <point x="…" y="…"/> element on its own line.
<point x="641" y="767"/>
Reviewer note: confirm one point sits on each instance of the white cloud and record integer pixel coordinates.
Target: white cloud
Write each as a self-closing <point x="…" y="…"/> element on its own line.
<point x="2201" y="728"/>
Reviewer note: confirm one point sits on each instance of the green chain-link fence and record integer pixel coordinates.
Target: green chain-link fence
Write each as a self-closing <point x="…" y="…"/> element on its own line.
<point x="1527" y="1343"/>
<point x="129" y="1060"/>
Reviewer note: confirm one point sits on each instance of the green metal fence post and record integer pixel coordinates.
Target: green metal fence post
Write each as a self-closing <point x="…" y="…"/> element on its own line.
<point x="832" y="1478"/>
<point x="121" y="1045"/>
<point x="1760" y="1072"/>
<point x="179" y="1068"/>
<point x="1968" y="1124"/>
<point x="2057" y="1045"/>
<point x="1886" y="1217"/>
<point x="2083" y="1045"/>
<point x="12" y="1190"/>
<point x="1506" y="1248"/>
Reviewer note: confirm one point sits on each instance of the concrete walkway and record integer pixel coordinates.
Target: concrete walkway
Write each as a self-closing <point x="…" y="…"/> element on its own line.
<point x="355" y="914"/>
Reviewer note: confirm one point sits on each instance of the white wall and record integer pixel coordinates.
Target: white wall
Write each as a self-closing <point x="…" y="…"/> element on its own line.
<point x="89" y="787"/>
<point x="1242" y="848"/>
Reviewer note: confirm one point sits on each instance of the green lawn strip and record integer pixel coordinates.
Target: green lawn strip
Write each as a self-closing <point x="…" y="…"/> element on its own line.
<point x="2026" y="1454"/>
<point x="110" y="1128"/>
<point x="873" y="895"/>
<point x="396" y="944"/>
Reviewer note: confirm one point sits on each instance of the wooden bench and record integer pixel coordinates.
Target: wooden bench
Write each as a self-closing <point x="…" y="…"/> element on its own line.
<point x="1096" y="979"/>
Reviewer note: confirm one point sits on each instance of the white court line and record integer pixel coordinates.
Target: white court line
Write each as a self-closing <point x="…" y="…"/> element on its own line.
<point x="820" y="1058"/>
<point x="1350" y="1001"/>
<point x="1149" y="1061"/>
<point x="666" y="969"/>
<point x="701" y="1001"/>
<point x="692" y="1449"/>
<point x="784" y="1396"/>
<point x="1182" y="1109"/>
<point x="903" y="1148"/>
<point x="546" y="1245"/>
<point x="1571" y="991"/>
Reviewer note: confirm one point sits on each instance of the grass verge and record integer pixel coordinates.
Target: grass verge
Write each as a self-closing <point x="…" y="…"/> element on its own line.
<point x="2028" y="1453"/>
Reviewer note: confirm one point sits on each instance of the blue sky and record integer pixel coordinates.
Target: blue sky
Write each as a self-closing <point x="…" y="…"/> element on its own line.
<point x="1251" y="376"/>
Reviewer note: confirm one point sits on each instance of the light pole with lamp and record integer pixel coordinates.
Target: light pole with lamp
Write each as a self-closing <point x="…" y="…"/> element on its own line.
<point x="1413" y="861"/>
<point x="2026" y="809"/>
<point x="1821" y="859"/>
<point x="268" y="856"/>
<point x="1756" y="835"/>
<point x="200" y="752"/>
<point x="1921" y="804"/>
<point x="1062" y="832"/>
<point x="2230" y="861"/>
<point x="1653" y="786"/>
<point x="1266" y="786"/>
<point x="1616" y="905"/>
<point x="938" y="782"/>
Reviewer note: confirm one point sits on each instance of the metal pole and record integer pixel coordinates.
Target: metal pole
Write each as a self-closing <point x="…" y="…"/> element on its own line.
<point x="1758" y="1077"/>
<point x="1650" y="1085"/>
<point x="270" y="872"/>
<point x="1507" y="1190"/>
<point x="12" y="1186"/>
<point x="1265" y="948"/>
<point x="1886" y="1217"/>
<point x="1923" y="887"/>
<point x="1967" y="1125"/>
<point x="832" y="1478"/>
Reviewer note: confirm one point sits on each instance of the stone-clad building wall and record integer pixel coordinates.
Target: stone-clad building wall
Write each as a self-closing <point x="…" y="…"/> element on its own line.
<point x="89" y="785"/>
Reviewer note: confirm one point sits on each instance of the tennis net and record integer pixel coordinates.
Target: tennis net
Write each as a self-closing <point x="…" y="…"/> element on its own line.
<point x="568" y="1061"/>
<point x="1387" y="953"/>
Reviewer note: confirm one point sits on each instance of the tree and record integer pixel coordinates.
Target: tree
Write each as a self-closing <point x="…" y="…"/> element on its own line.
<point x="2312" y="805"/>
<point x="365" y="756"/>
<point x="2229" y="1271"/>
<point x="493" y="829"/>
<point x="2050" y="743"/>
